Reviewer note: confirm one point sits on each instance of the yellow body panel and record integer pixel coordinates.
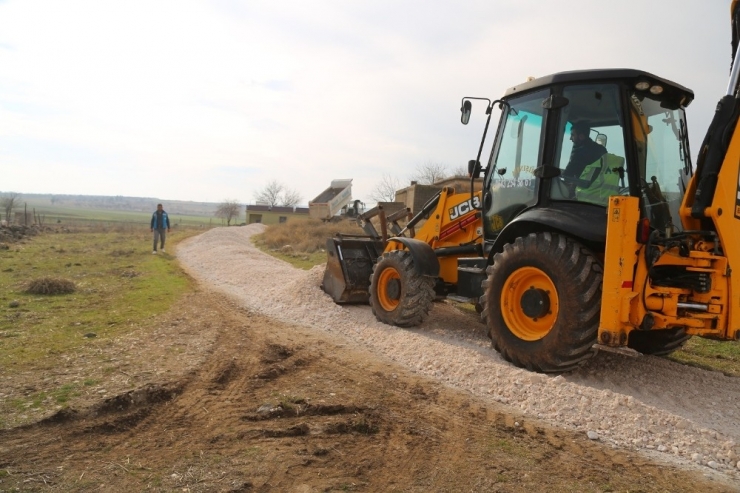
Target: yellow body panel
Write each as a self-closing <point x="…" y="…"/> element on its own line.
<point x="629" y="297"/>
<point x="620" y="260"/>
<point x="454" y="222"/>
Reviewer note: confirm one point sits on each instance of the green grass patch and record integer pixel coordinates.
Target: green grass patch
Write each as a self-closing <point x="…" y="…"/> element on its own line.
<point x="721" y="356"/>
<point x="17" y="404"/>
<point x="62" y="395"/>
<point x="38" y="399"/>
<point x="114" y="294"/>
<point x="119" y="287"/>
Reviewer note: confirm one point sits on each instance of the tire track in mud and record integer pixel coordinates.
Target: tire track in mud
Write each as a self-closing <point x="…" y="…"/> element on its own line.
<point x="243" y="397"/>
<point x="681" y="414"/>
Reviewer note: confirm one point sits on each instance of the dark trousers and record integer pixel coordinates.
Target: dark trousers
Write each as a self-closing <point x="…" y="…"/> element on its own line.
<point x="159" y="234"/>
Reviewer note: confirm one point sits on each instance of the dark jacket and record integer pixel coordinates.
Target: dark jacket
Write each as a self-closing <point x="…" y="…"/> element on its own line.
<point x="581" y="156"/>
<point x="160" y="222"/>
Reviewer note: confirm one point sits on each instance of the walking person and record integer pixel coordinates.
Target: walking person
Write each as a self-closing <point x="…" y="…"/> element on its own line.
<point x="160" y="222"/>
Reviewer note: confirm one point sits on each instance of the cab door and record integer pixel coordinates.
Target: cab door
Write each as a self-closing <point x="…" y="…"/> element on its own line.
<point x="511" y="185"/>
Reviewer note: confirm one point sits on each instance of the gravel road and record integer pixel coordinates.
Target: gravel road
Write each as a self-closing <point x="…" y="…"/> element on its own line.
<point x="677" y="413"/>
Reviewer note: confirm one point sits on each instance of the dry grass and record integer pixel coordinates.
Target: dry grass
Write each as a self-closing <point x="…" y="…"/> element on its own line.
<point x="304" y="236"/>
<point x="50" y="286"/>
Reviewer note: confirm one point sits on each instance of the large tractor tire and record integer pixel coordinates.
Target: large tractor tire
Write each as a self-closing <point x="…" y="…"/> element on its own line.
<point x="398" y="294"/>
<point x="542" y="301"/>
<point x="658" y="342"/>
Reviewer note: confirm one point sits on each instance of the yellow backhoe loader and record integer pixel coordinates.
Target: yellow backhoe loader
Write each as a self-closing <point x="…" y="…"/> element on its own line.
<point x="593" y="230"/>
<point x="406" y="271"/>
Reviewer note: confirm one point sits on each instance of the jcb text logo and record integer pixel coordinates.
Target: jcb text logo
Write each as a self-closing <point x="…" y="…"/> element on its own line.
<point x="464" y="208"/>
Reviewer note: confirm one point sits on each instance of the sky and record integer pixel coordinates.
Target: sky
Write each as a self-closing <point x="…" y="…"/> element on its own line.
<point x="211" y="100"/>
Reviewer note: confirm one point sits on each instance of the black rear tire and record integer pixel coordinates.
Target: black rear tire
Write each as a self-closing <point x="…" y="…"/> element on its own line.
<point x="658" y="342"/>
<point x="563" y="279"/>
<point x="398" y="294"/>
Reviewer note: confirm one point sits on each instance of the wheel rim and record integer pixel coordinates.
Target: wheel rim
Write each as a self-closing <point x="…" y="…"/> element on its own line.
<point x="529" y="303"/>
<point x="389" y="289"/>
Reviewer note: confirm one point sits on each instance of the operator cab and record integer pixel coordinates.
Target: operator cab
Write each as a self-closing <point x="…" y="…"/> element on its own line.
<point x="568" y="141"/>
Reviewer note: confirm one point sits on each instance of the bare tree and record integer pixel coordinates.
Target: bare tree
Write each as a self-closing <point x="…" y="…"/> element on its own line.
<point x="429" y="173"/>
<point x="460" y="171"/>
<point x="270" y="195"/>
<point x="228" y="209"/>
<point x="385" y="189"/>
<point x="9" y="202"/>
<point x="275" y="193"/>
<point x="290" y="198"/>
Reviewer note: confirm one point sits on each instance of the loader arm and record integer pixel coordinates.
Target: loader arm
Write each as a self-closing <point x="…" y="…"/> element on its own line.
<point x="712" y="198"/>
<point x="700" y="195"/>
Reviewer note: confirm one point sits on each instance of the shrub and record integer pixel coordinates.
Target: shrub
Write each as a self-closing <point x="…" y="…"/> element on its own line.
<point x="306" y="236"/>
<point x="50" y="286"/>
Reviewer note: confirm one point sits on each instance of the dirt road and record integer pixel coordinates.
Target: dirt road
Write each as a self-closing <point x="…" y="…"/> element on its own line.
<point x="264" y="390"/>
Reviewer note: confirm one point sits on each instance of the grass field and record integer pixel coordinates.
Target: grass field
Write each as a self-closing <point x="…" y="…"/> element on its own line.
<point x="119" y="284"/>
<point x="65" y="215"/>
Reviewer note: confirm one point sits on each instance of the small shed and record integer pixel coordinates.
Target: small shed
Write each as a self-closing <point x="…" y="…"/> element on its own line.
<point x="266" y="214"/>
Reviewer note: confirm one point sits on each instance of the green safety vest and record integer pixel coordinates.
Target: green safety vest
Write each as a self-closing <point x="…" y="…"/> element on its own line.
<point x="603" y="176"/>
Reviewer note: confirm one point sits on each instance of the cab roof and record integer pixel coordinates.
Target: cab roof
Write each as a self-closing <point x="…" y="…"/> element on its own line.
<point x="630" y="76"/>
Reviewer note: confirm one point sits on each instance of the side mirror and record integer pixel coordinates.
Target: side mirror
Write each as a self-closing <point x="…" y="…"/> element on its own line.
<point x="474" y="168"/>
<point x="601" y="139"/>
<point x="466" y="108"/>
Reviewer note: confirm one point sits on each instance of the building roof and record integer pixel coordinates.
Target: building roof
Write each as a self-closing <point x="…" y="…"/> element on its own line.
<point x="283" y="209"/>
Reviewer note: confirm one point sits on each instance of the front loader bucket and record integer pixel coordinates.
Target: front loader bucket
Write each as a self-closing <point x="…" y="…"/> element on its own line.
<point x="349" y="266"/>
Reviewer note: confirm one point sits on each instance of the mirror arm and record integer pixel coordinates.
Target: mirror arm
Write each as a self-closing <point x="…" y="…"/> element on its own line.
<point x="489" y="112"/>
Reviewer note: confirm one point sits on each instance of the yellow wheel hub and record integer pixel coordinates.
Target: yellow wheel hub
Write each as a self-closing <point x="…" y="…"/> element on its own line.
<point x="529" y="303"/>
<point x="389" y="289"/>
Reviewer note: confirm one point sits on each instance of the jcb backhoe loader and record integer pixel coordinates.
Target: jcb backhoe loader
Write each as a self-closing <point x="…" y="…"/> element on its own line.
<point x="406" y="273"/>
<point x="633" y="250"/>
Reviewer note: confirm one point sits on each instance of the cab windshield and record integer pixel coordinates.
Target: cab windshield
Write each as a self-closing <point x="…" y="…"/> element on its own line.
<point x="664" y="163"/>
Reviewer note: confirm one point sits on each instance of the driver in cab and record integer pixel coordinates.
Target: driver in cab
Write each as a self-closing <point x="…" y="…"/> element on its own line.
<point x="585" y="151"/>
